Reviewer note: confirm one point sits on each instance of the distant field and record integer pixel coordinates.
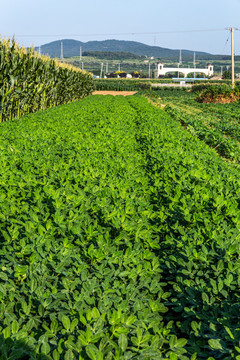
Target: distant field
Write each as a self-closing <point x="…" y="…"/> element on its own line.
<point x="218" y="125"/>
<point x="94" y="65"/>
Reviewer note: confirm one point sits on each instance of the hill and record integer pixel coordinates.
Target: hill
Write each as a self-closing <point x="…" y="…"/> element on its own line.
<point x="72" y="48"/>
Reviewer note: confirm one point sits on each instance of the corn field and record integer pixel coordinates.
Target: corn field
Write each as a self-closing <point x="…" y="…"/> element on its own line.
<point x="30" y="82"/>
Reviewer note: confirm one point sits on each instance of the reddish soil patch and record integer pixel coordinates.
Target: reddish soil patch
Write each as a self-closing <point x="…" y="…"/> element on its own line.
<point x="114" y="93"/>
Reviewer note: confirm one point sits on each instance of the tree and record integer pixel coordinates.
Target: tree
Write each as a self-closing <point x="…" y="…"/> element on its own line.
<point x="135" y="74"/>
<point x="227" y="74"/>
<point x="111" y="75"/>
<point x="121" y="74"/>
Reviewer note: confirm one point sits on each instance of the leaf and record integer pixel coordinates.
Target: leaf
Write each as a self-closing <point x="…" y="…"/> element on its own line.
<point x="74" y="323"/>
<point x="237" y="348"/>
<point x="229" y="332"/>
<point x="123" y="342"/>
<point x="45" y="348"/>
<point x="195" y="326"/>
<point x="91" y="351"/>
<point x="66" y="322"/>
<point x="194" y="356"/>
<point x="33" y="285"/>
<point x="15" y="327"/>
<point x="172" y="341"/>
<point x="173" y="356"/>
<point x="56" y="355"/>
<point x="7" y="333"/>
<point x="220" y="285"/>
<point x="130" y="320"/>
<point x="3" y="276"/>
<point x="69" y="355"/>
<point x="54" y="326"/>
<point x="205" y="297"/>
<point x="95" y="313"/>
<point x="215" y="344"/>
<point x="181" y="343"/>
<point x="162" y="308"/>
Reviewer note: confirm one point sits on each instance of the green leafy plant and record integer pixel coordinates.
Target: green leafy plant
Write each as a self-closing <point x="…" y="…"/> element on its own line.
<point x="119" y="236"/>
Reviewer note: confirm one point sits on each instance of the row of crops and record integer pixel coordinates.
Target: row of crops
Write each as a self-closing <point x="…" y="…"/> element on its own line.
<point x="141" y="84"/>
<point x="119" y="237"/>
<point x="221" y="134"/>
<point x="126" y="84"/>
<point x="216" y="124"/>
<point x="30" y="82"/>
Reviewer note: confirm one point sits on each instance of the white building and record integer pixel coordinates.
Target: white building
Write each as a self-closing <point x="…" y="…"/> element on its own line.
<point x="161" y="70"/>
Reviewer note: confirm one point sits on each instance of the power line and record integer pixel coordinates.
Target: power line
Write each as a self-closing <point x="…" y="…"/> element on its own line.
<point x="226" y="42"/>
<point x="129" y="33"/>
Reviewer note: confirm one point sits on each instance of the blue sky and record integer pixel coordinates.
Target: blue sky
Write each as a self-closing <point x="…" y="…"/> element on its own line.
<point x="153" y="22"/>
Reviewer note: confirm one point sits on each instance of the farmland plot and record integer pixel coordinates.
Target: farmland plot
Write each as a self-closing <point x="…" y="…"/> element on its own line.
<point x="119" y="237"/>
<point x="215" y="124"/>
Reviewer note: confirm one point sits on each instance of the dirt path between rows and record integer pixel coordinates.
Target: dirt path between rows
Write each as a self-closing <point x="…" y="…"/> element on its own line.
<point x="114" y="93"/>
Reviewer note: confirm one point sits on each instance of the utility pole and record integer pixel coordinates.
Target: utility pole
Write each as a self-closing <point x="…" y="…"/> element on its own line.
<point x="232" y="50"/>
<point x="80" y="56"/>
<point x="119" y="67"/>
<point x="107" y="68"/>
<point x="194" y="62"/>
<point x="221" y="70"/>
<point x="82" y="65"/>
<point x="101" y="70"/>
<point x="180" y="57"/>
<point x="61" y="50"/>
<point x="232" y="54"/>
<point x="156" y="71"/>
<point x="149" y="70"/>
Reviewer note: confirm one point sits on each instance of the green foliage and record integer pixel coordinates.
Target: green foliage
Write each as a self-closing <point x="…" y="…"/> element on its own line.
<point x="200" y="86"/>
<point x="111" y="55"/>
<point x="215" y="93"/>
<point x="29" y="82"/>
<point x="212" y="132"/>
<point x="216" y="124"/>
<point x="119" y="236"/>
<point x="227" y="74"/>
<point x="124" y="84"/>
<point x="197" y="75"/>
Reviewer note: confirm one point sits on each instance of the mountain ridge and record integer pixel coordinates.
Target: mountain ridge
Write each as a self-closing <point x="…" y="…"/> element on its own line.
<point x="71" y="48"/>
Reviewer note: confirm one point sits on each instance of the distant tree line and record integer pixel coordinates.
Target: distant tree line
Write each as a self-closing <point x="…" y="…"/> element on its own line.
<point x="110" y="55"/>
<point x="123" y="74"/>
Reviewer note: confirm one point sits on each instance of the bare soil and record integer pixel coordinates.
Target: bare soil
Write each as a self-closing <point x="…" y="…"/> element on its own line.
<point x="114" y="93"/>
